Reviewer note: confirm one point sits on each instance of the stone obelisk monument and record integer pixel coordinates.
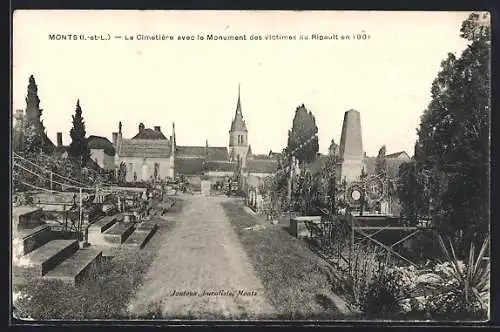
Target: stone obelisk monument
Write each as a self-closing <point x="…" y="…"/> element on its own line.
<point x="351" y="148"/>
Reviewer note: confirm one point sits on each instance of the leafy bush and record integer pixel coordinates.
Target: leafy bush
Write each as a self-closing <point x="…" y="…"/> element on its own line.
<point x="363" y="267"/>
<point x="385" y="295"/>
<point x="461" y="289"/>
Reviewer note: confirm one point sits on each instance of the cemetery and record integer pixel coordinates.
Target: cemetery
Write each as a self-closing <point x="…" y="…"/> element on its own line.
<point x="303" y="235"/>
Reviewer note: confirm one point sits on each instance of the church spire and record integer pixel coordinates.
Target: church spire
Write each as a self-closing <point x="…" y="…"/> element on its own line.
<point x="238" y="123"/>
<point x="238" y="105"/>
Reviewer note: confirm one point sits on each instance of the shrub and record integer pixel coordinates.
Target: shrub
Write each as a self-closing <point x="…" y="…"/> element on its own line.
<point x="364" y="267"/>
<point x="385" y="294"/>
<point x="461" y="289"/>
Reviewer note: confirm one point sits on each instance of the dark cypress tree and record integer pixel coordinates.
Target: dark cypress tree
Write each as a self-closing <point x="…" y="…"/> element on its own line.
<point x="303" y="129"/>
<point x="381" y="163"/>
<point x="32" y="127"/>
<point x="78" y="148"/>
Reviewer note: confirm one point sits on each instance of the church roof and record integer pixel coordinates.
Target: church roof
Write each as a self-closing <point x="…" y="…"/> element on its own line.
<point x="189" y="166"/>
<point x="190" y="152"/>
<point x="221" y="166"/>
<point x="398" y="155"/>
<point x="213" y="152"/>
<point x="261" y="166"/>
<point x="149" y="133"/>
<point x="392" y="166"/>
<point x="238" y="123"/>
<point x="217" y="153"/>
<point x="150" y="148"/>
<point x="101" y="143"/>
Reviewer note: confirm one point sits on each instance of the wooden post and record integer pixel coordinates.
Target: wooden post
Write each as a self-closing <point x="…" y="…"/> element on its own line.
<point x="351" y="247"/>
<point x="80" y="215"/>
<point x="51" y="180"/>
<point x="65" y="214"/>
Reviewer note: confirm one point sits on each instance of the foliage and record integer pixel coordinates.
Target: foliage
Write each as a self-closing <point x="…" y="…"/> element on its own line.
<point x="122" y="173"/>
<point x="384" y="294"/>
<point x="78" y="148"/>
<point x="364" y="266"/>
<point x="461" y="288"/>
<point x="303" y="128"/>
<point x="410" y="191"/>
<point x="381" y="162"/>
<point x="30" y="132"/>
<point x="62" y="169"/>
<point x="451" y="175"/>
<point x="305" y="195"/>
<point x="274" y="193"/>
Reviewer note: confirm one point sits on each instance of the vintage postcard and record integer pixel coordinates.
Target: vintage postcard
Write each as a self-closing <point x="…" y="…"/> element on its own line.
<point x="250" y="165"/>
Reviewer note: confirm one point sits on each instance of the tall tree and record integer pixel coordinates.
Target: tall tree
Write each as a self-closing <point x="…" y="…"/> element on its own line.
<point x="452" y="150"/>
<point x="78" y="148"/>
<point x="33" y="111"/>
<point x="381" y="162"/>
<point x="33" y="131"/>
<point x="302" y="138"/>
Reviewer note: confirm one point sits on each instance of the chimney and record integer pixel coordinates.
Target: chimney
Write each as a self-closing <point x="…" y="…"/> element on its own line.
<point x="141" y="127"/>
<point x="115" y="139"/>
<point x="157" y="128"/>
<point x="59" y="139"/>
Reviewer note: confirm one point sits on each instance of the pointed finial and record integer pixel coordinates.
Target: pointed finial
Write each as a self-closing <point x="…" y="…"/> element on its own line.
<point x="78" y="102"/>
<point x="239" y="85"/>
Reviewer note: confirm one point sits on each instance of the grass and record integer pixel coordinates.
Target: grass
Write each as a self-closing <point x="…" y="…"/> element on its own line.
<point x="102" y="295"/>
<point x="295" y="279"/>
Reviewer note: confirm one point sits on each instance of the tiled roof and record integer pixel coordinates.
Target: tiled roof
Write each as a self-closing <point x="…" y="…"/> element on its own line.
<point x="261" y="166"/>
<point x="217" y="153"/>
<point x="148" y="133"/>
<point x="145" y="148"/>
<point x="392" y="166"/>
<point x="189" y="166"/>
<point x="190" y="152"/>
<point x="101" y="143"/>
<point x="397" y="154"/>
<point x="221" y="166"/>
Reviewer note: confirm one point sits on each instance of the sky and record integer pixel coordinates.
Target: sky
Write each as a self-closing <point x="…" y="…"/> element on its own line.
<point x="386" y="77"/>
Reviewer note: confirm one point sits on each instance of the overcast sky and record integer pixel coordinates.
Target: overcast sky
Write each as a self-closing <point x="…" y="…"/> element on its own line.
<point x="195" y="83"/>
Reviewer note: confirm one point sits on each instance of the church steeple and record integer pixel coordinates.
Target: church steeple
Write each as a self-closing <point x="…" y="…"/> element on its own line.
<point x="238" y="104"/>
<point x="238" y="135"/>
<point x="238" y="123"/>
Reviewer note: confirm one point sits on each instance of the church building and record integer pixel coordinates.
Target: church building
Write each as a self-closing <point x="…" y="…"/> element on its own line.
<point x="151" y="155"/>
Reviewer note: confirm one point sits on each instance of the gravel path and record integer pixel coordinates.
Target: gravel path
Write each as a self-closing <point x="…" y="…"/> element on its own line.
<point x="201" y="271"/>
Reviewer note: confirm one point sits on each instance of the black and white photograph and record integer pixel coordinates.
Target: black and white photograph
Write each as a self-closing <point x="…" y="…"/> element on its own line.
<point x="288" y="166"/>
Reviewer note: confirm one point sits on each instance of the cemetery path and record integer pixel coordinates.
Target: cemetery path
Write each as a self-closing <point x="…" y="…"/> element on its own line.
<point x="201" y="254"/>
